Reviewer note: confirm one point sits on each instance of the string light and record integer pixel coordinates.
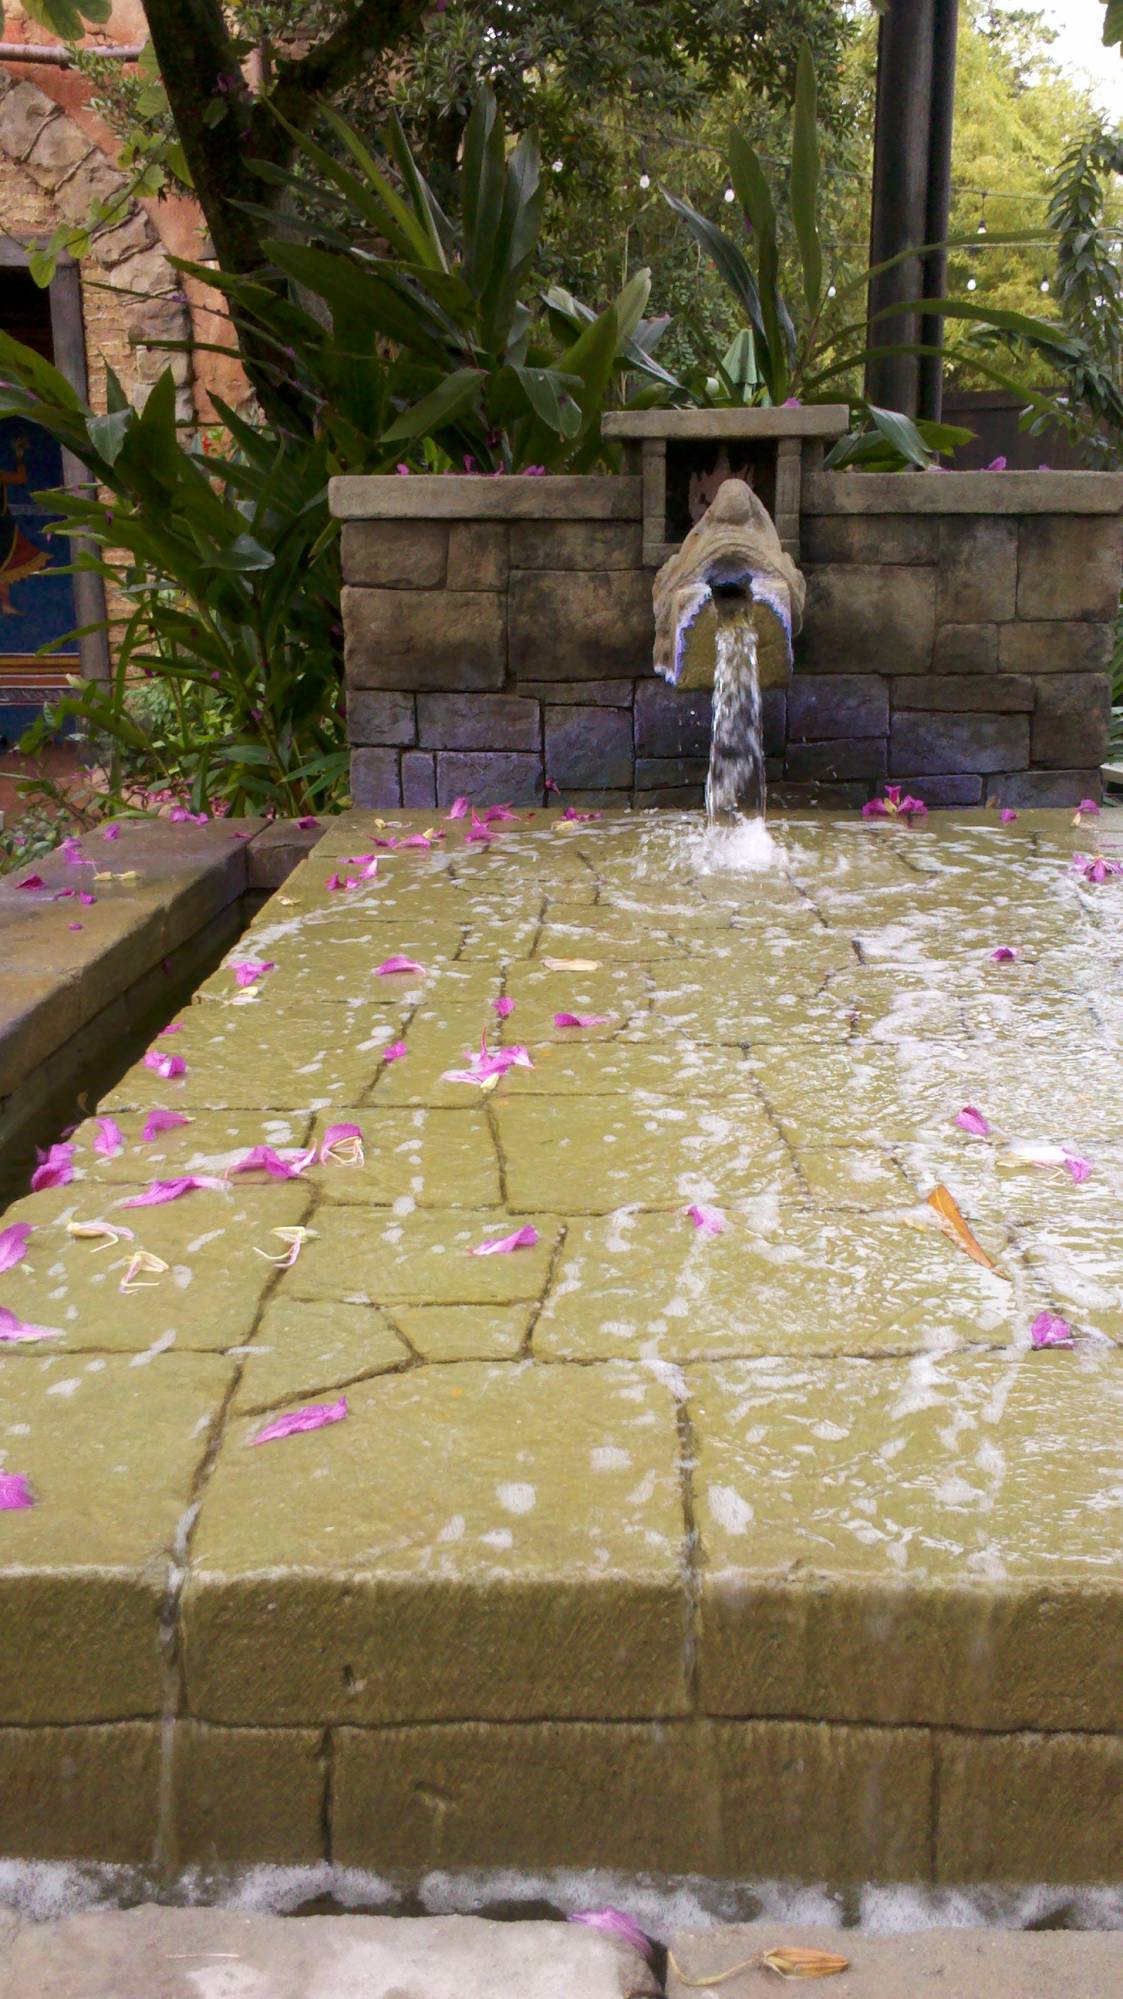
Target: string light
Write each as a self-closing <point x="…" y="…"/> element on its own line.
<point x="972" y="284"/>
<point x="832" y="291"/>
<point x="645" y="180"/>
<point x="729" y="194"/>
<point x="558" y="165"/>
<point x="1044" y="284"/>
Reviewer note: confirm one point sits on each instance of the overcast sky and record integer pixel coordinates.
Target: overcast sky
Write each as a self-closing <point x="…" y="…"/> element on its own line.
<point x="1080" y="48"/>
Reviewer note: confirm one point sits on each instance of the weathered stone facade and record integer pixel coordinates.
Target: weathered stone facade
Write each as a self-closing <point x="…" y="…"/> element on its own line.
<point x="957" y="639"/>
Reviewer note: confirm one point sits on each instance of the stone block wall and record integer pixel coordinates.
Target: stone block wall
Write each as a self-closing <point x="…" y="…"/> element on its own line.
<point x="957" y="640"/>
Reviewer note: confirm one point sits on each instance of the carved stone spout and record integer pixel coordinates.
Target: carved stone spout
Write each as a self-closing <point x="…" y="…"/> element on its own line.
<point x="730" y="565"/>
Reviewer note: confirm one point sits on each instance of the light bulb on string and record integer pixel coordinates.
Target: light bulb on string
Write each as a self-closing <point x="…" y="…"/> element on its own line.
<point x="972" y="284"/>
<point x="558" y="166"/>
<point x="729" y="194"/>
<point x="645" y="180"/>
<point x="1044" y="286"/>
<point x="832" y="291"/>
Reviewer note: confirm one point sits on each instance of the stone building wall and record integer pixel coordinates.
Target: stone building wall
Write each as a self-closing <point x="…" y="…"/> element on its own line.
<point x="957" y="640"/>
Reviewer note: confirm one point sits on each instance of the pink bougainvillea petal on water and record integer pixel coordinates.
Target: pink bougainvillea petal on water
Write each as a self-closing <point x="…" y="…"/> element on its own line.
<point x="309" y="820"/>
<point x="343" y="1143"/>
<point x="162" y="1191"/>
<point x="71" y="852"/>
<point x="395" y="1053"/>
<point x="969" y="1119"/>
<point x="616" y="1924"/>
<point x="14" y="1330"/>
<point x="1079" y="1168"/>
<point x="315" y="1417"/>
<point x="110" y="1139"/>
<point x="459" y="808"/>
<point x="895" y="805"/>
<point x="1005" y="955"/>
<point x="524" y="1238"/>
<point x="158" y="1121"/>
<point x="111" y="833"/>
<point x="582" y="1019"/>
<point x="248" y="971"/>
<point x="164" y="1065"/>
<point x="484" y="1065"/>
<point x="1095" y="868"/>
<point x="1008" y="815"/>
<point x="1089" y="808"/>
<point x="13" y="1244"/>
<point x="55" y="1168"/>
<point x="504" y="1007"/>
<point x="84" y="896"/>
<point x="1048" y="1330"/>
<point x="710" y="1221"/>
<point x="32" y="882"/>
<point x="263" y="1159"/>
<point x="392" y="967"/>
<point x="571" y="813"/>
<point x="15" y="1492"/>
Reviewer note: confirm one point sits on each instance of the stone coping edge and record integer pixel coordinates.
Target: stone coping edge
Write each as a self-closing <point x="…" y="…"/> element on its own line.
<point x="460" y="496"/>
<point x="962" y="493"/>
<point x="811" y="420"/>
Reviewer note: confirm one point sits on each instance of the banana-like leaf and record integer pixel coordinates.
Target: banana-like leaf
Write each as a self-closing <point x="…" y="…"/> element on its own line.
<point x="755" y="196"/>
<point x="730" y="264"/>
<point x="805" y="178"/>
<point x="452" y="399"/>
<point x="482" y="186"/>
<point x="516" y="240"/>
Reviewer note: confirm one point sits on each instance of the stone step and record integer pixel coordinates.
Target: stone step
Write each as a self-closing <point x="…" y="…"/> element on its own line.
<point x="949" y="1964"/>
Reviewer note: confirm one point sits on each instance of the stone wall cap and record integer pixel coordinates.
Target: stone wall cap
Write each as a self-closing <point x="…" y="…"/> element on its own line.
<point x="962" y="493"/>
<point x="809" y="420"/>
<point x="468" y="496"/>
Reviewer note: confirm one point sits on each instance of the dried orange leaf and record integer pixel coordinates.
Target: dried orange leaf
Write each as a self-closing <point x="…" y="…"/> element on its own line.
<point x="572" y="964"/>
<point x="952" y="1222"/>
<point x="793" y="1960"/>
<point x="716" y="1978"/>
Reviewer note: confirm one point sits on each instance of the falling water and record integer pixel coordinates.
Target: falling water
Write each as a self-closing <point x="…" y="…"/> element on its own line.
<point x="735" y="784"/>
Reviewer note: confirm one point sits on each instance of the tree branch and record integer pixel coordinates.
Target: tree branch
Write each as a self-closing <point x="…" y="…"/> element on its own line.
<point x="370" y="28"/>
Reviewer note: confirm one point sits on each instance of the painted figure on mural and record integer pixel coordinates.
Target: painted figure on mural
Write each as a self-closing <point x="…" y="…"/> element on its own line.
<point x="19" y="556"/>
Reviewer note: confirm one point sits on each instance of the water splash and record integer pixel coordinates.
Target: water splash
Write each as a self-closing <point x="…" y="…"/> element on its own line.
<point x="735" y="785"/>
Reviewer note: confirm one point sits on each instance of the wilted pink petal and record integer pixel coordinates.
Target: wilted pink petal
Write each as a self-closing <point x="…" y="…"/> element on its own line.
<point x="334" y="882"/>
<point x="1089" y="807"/>
<point x="504" y="1007"/>
<point x="54" y="1169"/>
<point x="875" y="808"/>
<point x="571" y="813"/>
<point x="313" y="1418"/>
<point x="74" y="926"/>
<point x="1048" y="1330"/>
<point x="263" y="1159"/>
<point x="913" y="808"/>
<point x="162" y="1191"/>
<point x="458" y="808"/>
<point x="969" y="1119"/>
<point x="63" y="894"/>
<point x="582" y="1019"/>
<point x="15" y="1492"/>
<point x="174" y="1027"/>
<point x="1005" y="955"/>
<point x="13" y="1244"/>
<point x="1079" y="1168"/>
<point x="617" y="1924"/>
<point x="1094" y="867"/>
<point x="14" y="1330"/>
<point x="1008" y="815"/>
<point x="710" y="1220"/>
<point x="163" y="1065"/>
<point x="416" y="840"/>
<point x="524" y="1238"/>
<point x="308" y="820"/>
<point x="71" y="852"/>
<point x="158" y="1121"/>
<point x="179" y="815"/>
<point x="395" y="1052"/>
<point x="110" y="1139"/>
<point x="478" y="831"/>
<point x="398" y="964"/>
<point x="343" y="1143"/>
<point x="250" y="970"/>
<point x="492" y="813"/>
<point x="997" y="465"/>
<point x="85" y="896"/>
<point x="32" y="882"/>
<point x="111" y="833"/>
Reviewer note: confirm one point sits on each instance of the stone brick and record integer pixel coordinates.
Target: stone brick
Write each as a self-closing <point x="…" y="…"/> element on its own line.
<point x="80" y="1793"/>
<point x="112" y="246"/>
<point x="149" y="271"/>
<point x="1025" y="647"/>
<point x="993" y="693"/>
<point x="588" y="746"/>
<point x="23" y="113"/>
<point x="619" y="801"/>
<point x="426" y="639"/>
<point x="395" y="555"/>
<point x="376" y="717"/>
<point x="60" y="147"/>
<point x="945" y="788"/>
<point x="990" y="1825"/>
<point x="657" y="773"/>
<point x="967" y="648"/>
<point x="478" y="722"/>
<point x="862" y="757"/>
<point x="576" y="545"/>
<point x="1044" y="788"/>
<point x="477" y="555"/>
<point x="489" y="779"/>
<point x="243" y="1795"/>
<point x="580" y="624"/>
<point x="1072" y="720"/>
<point x="595" y="693"/>
<point x="374" y="778"/>
<point x="1069" y="566"/>
<point x="978" y="569"/>
<point x="94" y="180"/>
<point x="869" y="538"/>
<point x="798" y="1801"/>
<point x="957" y="743"/>
<point x="671" y="798"/>
<point x="854" y="704"/>
<point x="419" y="779"/>
<point x="842" y="797"/>
<point x="672" y="722"/>
<point x="774" y="719"/>
<point x="872" y="615"/>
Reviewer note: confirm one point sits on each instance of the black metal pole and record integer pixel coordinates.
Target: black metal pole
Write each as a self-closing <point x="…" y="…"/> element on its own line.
<point x="931" y="368"/>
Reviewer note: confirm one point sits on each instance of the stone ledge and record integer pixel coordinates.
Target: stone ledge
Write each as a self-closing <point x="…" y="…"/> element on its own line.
<point x="963" y="493"/>
<point x="809" y="420"/>
<point x="956" y="1963"/>
<point x="465" y="497"/>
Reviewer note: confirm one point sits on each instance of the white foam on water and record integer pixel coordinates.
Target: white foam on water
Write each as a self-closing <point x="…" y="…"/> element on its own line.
<point x="745" y="849"/>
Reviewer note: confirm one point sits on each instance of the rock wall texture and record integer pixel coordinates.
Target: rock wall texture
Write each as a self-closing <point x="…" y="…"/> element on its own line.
<point x="957" y="640"/>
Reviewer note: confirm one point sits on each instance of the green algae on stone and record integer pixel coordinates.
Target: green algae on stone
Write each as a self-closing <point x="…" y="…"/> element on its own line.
<point x="303" y="1350"/>
<point x="249" y="1055"/>
<point x="589" y="1155"/>
<point x="497" y="1541"/>
<point x="213" y="1142"/>
<point x="464" y="1332"/>
<point x="368" y="1257"/>
<point x="420" y="1157"/>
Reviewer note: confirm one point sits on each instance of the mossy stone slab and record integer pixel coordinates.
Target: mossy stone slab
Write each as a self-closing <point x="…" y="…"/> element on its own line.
<point x="609" y="935"/>
<point x="913" y="1542"/>
<point x="590" y="1155"/>
<point x="618" y="995"/>
<point x="853" y="1176"/>
<point x="80" y="1793"/>
<point x="778" y="1281"/>
<point x="495" y="1542"/>
<point x="418" y="1158"/>
<point x="718" y="1011"/>
<point x="213" y="1142"/>
<point x="328" y="965"/>
<point x="991" y="1825"/>
<point x="422" y="1258"/>
<point x="464" y="1332"/>
<point x="112" y="1452"/>
<point x="241" y="1797"/>
<point x="302" y="1351"/>
<point x="207" y="1299"/>
<point x="252" y="1057"/>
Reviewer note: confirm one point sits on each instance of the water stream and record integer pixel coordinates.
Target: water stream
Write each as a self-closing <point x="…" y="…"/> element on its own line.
<point x="735" y="785"/>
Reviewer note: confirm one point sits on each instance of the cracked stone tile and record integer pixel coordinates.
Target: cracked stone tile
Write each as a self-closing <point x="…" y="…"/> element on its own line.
<point x="465" y="1332"/>
<point x="586" y="1154"/>
<point x="303" y="1350"/>
<point x="369" y="1257"/>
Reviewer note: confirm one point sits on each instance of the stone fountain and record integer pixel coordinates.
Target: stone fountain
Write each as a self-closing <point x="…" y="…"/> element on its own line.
<point x="728" y="603"/>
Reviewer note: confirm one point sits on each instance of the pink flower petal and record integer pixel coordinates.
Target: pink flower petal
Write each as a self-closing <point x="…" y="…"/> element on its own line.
<point x="1005" y="955"/>
<point x="314" y="1417"/>
<point x="969" y="1119"/>
<point x="13" y="1244"/>
<point x="1008" y="815"/>
<point x="250" y="970"/>
<point x="1048" y="1330"/>
<point x="582" y="1019"/>
<point x="111" y="833"/>
<point x="74" y="926"/>
<point x="1089" y="806"/>
<point x="615" y="1923"/>
<point x="15" y="1491"/>
<point x="71" y="852"/>
<point x="158" y="1121"/>
<point x="1079" y="1168"/>
<point x="85" y="897"/>
<point x="492" y="813"/>
<point x="396" y="1051"/>
<point x="524" y="1238"/>
<point x="479" y="831"/>
<point x="163" y="1065"/>
<point x="162" y="1191"/>
<point x="54" y="1168"/>
<point x="392" y="966"/>
<point x="308" y="821"/>
<point x="343" y="1143"/>
<point x="572" y="814"/>
<point x="63" y="894"/>
<point x="458" y="809"/>
<point x="14" y="1330"/>
<point x="174" y="1027"/>
<point x="110" y="1139"/>
<point x="32" y="882"/>
<point x="710" y="1220"/>
<point x="875" y="808"/>
<point x="263" y="1159"/>
<point x="504" y="1007"/>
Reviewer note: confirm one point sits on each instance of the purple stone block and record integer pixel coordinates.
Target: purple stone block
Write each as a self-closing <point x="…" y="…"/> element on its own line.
<point x="419" y="779"/>
<point x="837" y="705"/>
<point x="374" y="778"/>
<point x="589" y="747"/>
<point x="670" y="722"/>
<point x="944" y="788"/>
<point x="970" y="744"/>
<point x="489" y="777"/>
<point x="477" y="722"/>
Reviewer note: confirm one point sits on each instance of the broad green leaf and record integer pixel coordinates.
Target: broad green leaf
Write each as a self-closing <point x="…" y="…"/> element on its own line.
<point x="805" y="177"/>
<point x="755" y="197"/>
<point x="107" y="433"/>
<point x="452" y="399"/>
<point x="730" y="264"/>
<point x="901" y="432"/>
<point x="1113" y="23"/>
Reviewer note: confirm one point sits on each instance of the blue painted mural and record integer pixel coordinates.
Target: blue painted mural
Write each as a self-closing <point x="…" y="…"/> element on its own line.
<point x="36" y="602"/>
